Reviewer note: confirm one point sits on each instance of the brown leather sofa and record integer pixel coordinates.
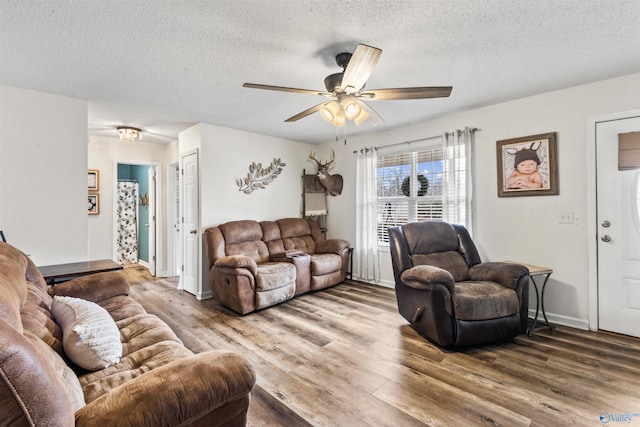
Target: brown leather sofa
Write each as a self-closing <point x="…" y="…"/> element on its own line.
<point x="447" y="294"/>
<point x="157" y="381"/>
<point x="254" y="265"/>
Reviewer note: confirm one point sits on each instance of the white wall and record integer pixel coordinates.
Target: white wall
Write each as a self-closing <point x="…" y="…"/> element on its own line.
<point x="43" y="174"/>
<point x="526" y="229"/>
<point x="103" y="154"/>
<point x="225" y="155"/>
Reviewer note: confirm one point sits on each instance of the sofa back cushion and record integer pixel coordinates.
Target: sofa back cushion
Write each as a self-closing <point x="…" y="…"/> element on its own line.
<point x="244" y="238"/>
<point x="296" y="234"/>
<point x="272" y="238"/>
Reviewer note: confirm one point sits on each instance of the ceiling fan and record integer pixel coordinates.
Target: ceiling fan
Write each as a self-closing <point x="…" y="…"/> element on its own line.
<point x="348" y="92"/>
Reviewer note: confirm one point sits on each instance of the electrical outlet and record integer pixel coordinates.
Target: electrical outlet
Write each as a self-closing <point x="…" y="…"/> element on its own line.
<point x="566" y="218"/>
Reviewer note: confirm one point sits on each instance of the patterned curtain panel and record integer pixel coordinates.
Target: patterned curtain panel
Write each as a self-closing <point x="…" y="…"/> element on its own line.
<point x="127" y="222"/>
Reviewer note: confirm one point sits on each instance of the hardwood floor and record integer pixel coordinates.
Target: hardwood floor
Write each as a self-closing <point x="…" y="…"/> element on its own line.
<point x="345" y="357"/>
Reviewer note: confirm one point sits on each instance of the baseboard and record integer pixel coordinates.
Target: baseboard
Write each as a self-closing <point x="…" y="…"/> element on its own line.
<point x="204" y="295"/>
<point x="383" y="283"/>
<point x="558" y="319"/>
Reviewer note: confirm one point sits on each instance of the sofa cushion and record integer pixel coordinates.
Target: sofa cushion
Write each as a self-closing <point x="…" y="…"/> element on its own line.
<point x="296" y="234"/>
<point x="274" y="275"/>
<point x="90" y="336"/>
<point x="71" y="385"/>
<point x="244" y="238"/>
<point x="37" y="319"/>
<point x="325" y="263"/>
<point x="483" y="301"/>
<point x="36" y="386"/>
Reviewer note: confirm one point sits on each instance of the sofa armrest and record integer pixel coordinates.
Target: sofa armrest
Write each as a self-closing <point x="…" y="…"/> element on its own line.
<point x="505" y="273"/>
<point x="237" y="261"/>
<point x="331" y="246"/>
<point x="427" y="277"/>
<point x="180" y="393"/>
<point x="93" y="287"/>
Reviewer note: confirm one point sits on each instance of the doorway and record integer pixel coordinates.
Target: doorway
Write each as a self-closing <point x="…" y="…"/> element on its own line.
<point x="617" y="230"/>
<point x="135" y="214"/>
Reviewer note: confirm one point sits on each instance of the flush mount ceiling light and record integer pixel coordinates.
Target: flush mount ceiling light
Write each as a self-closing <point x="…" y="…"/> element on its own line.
<point x="129" y="134"/>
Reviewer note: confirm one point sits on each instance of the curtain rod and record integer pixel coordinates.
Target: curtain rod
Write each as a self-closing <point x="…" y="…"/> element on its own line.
<point x="415" y="140"/>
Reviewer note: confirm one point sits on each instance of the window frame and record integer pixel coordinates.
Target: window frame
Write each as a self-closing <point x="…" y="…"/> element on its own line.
<point x="413" y="200"/>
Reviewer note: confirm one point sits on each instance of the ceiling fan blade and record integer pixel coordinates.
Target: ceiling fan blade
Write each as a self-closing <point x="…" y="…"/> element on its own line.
<point x="286" y="89"/>
<point x="308" y="112"/>
<point x="359" y="68"/>
<point x="407" y="93"/>
<point x="375" y="118"/>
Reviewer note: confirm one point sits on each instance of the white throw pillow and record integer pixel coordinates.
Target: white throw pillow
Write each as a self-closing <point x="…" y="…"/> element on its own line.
<point x="90" y="336"/>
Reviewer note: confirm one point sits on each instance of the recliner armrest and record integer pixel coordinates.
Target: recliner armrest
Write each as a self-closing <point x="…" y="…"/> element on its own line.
<point x="427" y="276"/>
<point x="331" y="246"/>
<point x="237" y="261"/>
<point x="179" y="393"/>
<point x="504" y="273"/>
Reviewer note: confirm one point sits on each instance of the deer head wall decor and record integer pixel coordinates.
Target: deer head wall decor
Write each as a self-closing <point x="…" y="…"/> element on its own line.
<point x="331" y="183"/>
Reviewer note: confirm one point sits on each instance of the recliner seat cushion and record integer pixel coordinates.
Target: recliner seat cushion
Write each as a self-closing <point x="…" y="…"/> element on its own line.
<point x="274" y="275"/>
<point x="483" y="301"/>
<point x="322" y="264"/>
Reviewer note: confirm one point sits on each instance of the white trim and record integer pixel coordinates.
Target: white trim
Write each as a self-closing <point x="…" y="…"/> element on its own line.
<point x="592" y="208"/>
<point x="559" y="319"/>
<point x="159" y="208"/>
<point x="171" y="263"/>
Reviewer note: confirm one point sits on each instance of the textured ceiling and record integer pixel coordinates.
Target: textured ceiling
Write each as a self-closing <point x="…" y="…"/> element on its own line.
<point x="164" y="65"/>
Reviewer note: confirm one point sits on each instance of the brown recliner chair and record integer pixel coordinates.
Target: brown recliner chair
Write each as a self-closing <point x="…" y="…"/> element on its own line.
<point x="447" y="294"/>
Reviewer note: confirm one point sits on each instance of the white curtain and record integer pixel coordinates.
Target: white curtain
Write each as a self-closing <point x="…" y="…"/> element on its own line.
<point x="366" y="251"/>
<point x="127" y="222"/>
<point x="457" y="177"/>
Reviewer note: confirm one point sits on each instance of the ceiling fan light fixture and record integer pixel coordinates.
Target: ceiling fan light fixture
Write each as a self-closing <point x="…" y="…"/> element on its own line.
<point x="333" y="114"/>
<point x="130" y="134"/>
<point x="351" y="109"/>
<point x="361" y="117"/>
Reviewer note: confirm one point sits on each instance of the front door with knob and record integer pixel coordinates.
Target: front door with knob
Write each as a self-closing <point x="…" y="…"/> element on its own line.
<point x="618" y="213"/>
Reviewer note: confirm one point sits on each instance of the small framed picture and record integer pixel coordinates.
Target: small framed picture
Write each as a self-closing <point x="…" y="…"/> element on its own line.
<point x="93" y="177"/>
<point x="528" y="166"/>
<point x="94" y="204"/>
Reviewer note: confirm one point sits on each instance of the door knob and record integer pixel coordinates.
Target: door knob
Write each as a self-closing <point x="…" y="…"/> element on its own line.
<point x="193" y="231"/>
<point x="606" y="224"/>
<point x="606" y="238"/>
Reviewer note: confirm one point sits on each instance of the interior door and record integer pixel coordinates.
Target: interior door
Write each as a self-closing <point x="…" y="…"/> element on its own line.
<point x="190" y="222"/>
<point x="151" y="176"/>
<point x="618" y="216"/>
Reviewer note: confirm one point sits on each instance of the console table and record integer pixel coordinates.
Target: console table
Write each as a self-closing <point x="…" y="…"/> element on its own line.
<point x="545" y="272"/>
<point x="59" y="273"/>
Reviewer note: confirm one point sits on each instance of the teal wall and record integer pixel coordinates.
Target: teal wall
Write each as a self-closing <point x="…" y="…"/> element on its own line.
<point x="140" y="174"/>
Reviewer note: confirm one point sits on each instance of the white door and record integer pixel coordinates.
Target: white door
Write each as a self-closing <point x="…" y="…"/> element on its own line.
<point x="151" y="176"/>
<point x="190" y="222"/>
<point x="618" y="215"/>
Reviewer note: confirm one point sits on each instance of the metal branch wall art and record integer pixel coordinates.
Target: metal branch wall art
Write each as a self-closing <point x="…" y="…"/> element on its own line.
<point x="259" y="177"/>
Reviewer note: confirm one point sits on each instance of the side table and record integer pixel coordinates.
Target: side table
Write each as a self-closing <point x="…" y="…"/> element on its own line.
<point x="535" y="271"/>
<point x="62" y="272"/>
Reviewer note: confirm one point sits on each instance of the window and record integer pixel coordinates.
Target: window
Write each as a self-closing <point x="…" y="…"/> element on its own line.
<point x="409" y="188"/>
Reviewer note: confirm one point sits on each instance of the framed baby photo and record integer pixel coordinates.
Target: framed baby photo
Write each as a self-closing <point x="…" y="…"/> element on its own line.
<point x="528" y="166"/>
